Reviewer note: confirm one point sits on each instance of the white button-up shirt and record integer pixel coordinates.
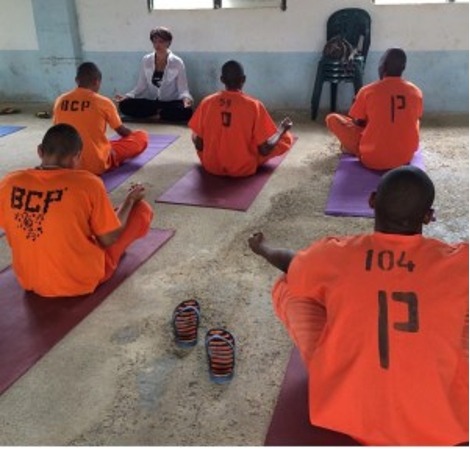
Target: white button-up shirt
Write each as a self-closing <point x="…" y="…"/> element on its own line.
<point x="174" y="84"/>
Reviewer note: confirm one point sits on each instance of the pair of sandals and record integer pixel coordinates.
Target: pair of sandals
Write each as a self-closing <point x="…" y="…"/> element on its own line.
<point x="43" y="114"/>
<point x="220" y="343"/>
<point x="9" y="110"/>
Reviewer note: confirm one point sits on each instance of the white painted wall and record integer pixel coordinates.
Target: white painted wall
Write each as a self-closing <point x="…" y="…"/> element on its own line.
<point x="269" y="42"/>
<point x="123" y="25"/>
<point x="17" y="28"/>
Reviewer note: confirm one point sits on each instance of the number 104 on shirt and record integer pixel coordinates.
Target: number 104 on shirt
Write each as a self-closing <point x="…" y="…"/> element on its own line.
<point x="387" y="260"/>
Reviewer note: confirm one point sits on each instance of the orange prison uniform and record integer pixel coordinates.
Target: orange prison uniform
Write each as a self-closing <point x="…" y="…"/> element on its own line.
<point x="90" y="113"/>
<point x="381" y="322"/>
<point x="392" y="108"/>
<point x="51" y="218"/>
<point x="232" y="125"/>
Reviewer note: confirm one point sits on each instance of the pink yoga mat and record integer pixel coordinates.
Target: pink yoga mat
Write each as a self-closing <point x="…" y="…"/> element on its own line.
<point x="290" y="425"/>
<point x="30" y="325"/>
<point x="157" y="143"/>
<point x="352" y="185"/>
<point x="199" y="188"/>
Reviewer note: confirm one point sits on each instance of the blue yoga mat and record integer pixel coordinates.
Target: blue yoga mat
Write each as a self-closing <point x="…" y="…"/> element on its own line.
<point x="9" y="129"/>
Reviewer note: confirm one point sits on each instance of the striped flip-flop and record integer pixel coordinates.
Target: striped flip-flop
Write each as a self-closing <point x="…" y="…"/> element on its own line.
<point x="220" y="349"/>
<point x="185" y="323"/>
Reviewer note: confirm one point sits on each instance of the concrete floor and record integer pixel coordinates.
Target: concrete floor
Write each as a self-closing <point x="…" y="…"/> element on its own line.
<point x="117" y="378"/>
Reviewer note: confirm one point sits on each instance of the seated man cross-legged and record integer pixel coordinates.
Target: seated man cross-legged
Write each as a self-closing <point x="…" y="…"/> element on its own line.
<point x="233" y="133"/>
<point x="381" y="322"/>
<point x="65" y="236"/>
<point x="90" y="113"/>
<point x="382" y="127"/>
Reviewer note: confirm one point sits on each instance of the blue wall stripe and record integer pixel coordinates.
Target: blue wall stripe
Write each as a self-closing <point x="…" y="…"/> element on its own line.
<point x="281" y="80"/>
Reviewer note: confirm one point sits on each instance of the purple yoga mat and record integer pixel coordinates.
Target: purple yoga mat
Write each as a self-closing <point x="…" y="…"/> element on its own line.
<point x="352" y="185"/>
<point x="31" y="325"/>
<point x="199" y="188"/>
<point x="157" y="143"/>
<point x="9" y="129"/>
<point x="290" y="425"/>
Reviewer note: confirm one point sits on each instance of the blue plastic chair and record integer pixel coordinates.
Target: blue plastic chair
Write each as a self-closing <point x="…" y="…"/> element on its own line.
<point x="354" y="25"/>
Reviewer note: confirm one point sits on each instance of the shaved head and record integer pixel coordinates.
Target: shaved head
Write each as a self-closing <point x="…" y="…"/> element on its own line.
<point x="87" y="74"/>
<point x="61" y="140"/>
<point x="233" y="75"/>
<point x="403" y="200"/>
<point x="392" y="62"/>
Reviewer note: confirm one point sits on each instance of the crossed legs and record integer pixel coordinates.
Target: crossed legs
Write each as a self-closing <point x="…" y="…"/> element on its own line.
<point x="171" y="111"/>
<point x="347" y="132"/>
<point x="128" y="147"/>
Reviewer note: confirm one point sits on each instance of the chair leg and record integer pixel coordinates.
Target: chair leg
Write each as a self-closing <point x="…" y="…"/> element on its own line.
<point x="316" y="95"/>
<point x="357" y="78"/>
<point x="334" y="94"/>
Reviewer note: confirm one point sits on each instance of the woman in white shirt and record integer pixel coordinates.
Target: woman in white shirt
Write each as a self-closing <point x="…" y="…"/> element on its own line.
<point x="162" y="87"/>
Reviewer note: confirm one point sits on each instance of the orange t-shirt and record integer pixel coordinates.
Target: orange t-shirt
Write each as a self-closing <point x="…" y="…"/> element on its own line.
<point x="389" y="365"/>
<point x="89" y="113"/>
<point x="392" y="108"/>
<point x="50" y="218"/>
<point x="232" y="126"/>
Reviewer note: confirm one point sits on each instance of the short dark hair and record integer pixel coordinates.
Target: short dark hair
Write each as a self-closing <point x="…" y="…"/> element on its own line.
<point x="395" y="61"/>
<point x="233" y="74"/>
<point x="404" y="196"/>
<point x="61" y="140"/>
<point x="162" y="33"/>
<point x="88" y="73"/>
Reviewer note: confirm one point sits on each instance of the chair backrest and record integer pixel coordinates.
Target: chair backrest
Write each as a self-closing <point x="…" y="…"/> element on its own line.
<point x="351" y="24"/>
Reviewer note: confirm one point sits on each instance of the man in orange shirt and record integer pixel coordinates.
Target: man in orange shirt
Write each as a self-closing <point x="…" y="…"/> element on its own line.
<point x="381" y="322"/>
<point x="233" y="133"/>
<point x="382" y="128"/>
<point x="65" y="236"/>
<point x="90" y="113"/>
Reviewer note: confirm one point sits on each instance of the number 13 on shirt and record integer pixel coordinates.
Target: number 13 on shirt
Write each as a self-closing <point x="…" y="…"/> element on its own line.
<point x="411" y="325"/>
<point x="387" y="260"/>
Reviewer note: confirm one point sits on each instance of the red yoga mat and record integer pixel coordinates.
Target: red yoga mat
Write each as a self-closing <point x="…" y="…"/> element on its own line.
<point x="290" y="425"/>
<point x="30" y="325"/>
<point x="199" y="188"/>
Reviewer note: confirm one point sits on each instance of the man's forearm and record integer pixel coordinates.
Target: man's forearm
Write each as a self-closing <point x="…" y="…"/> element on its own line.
<point x="198" y="142"/>
<point x="266" y="147"/>
<point x="122" y="213"/>
<point x="360" y="122"/>
<point x="124" y="210"/>
<point x="123" y="131"/>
